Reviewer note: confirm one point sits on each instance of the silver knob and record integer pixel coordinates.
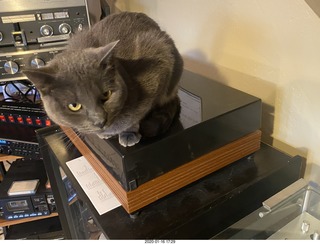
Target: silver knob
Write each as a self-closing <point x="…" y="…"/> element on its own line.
<point x="1" y="36"/>
<point x="37" y="63"/>
<point x="46" y="30"/>
<point x="64" y="28"/>
<point x="11" y="67"/>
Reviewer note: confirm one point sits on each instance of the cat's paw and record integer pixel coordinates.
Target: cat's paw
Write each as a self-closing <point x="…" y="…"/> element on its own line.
<point x="128" y="139"/>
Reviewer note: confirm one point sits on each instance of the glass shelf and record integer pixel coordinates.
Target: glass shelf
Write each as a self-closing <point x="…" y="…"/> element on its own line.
<point x="294" y="216"/>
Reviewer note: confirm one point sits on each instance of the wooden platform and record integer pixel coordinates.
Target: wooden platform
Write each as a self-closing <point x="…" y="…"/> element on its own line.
<point x="174" y="179"/>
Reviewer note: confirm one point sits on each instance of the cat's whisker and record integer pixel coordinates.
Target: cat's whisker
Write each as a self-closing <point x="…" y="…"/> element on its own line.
<point x="58" y="140"/>
<point x="72" y="135"/>
<point x="62" y="138"/>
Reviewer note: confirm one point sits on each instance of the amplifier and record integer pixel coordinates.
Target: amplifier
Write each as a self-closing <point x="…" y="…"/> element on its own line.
<point x="26" y="205"/>
<point x="19" y="140"/>
<point x="33" y="31"/>
<point x="13" y="61"/>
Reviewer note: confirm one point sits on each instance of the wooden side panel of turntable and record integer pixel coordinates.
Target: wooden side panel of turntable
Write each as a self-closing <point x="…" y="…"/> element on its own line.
<point x="175" y="179"/>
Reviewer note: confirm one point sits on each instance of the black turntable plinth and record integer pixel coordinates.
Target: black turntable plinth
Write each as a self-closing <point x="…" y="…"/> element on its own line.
<point x="218" y="125"/>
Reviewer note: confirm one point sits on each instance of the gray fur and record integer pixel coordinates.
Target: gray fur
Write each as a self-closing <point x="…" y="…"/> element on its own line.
<point x="126" y="54"/>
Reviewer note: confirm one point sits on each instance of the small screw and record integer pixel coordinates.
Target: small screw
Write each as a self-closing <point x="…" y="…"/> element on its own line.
<point x="305" y="227"/>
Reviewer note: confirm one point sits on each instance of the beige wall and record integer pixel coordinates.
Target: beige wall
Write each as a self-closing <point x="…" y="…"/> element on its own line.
<point x="268" y="48"/>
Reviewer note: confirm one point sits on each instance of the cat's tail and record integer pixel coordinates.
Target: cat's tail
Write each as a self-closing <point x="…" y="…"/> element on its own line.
<point x="160" y="118"/>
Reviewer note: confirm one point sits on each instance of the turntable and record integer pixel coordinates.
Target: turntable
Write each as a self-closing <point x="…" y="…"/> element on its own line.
<point x="218" y="125"/>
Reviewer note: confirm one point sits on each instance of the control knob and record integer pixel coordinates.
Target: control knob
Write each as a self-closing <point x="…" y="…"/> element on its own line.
<point x="1" y="36"/>
<point x="37" y="63"/>
<point x="64" y="28"/>
<point x="11" y="67"/>
<point x="46" y="30"/>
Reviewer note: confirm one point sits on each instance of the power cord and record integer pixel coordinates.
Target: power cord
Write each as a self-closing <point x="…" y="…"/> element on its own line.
<point x="19" y="91"/>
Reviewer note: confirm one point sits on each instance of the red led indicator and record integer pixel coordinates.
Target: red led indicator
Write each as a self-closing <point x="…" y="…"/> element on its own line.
<point x="48" y="122"/>
<point x="38" y="122"/>
<point x="11" y="119"/>
<point x="20" y="120"/>
<point x="2" y="118"/>
<point x="29" y="121"/>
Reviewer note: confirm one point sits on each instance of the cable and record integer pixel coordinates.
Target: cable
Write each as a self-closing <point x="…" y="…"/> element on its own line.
<point x="19" y="91"/>
<point x="8" y="162"/>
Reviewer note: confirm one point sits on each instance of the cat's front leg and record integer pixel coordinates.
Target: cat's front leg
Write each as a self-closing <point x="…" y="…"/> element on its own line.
<point x="130" y="137"/>
<point x="103" y="135"/>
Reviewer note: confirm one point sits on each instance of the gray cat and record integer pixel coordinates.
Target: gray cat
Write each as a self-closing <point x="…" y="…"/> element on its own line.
<point x="118" y="78"/>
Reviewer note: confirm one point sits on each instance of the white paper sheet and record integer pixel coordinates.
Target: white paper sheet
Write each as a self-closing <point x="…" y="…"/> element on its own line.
<point x="96" y="189"/>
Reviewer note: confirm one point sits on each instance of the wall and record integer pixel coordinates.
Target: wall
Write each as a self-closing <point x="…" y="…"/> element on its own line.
<point x="270" y="49"/>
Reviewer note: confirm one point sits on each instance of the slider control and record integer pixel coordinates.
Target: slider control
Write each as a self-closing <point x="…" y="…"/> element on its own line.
<point x="18" y="36"/>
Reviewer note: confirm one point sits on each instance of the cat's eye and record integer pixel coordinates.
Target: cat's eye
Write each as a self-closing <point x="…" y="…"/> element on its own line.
<point x="74" y="107"/>
<point x="107" y="95"/>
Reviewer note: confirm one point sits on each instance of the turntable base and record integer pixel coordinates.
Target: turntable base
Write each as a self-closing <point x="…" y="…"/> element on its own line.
<point x="173" y="180"/>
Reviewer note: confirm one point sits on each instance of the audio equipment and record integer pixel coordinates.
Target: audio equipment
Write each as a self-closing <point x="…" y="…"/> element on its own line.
<point x="26" y="205"/>
<point x="13" y="61"/>
<point x="19" y="140"/>
<point x="23" y="114"/>
<point x="33" y="31"/>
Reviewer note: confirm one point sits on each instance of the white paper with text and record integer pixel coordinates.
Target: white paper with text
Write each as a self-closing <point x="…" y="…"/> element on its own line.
<point x="96" y="189"/>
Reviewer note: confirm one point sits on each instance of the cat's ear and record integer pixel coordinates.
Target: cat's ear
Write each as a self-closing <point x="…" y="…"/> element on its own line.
<point x="106" y="51"/>
<point x="42" y="78"/>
